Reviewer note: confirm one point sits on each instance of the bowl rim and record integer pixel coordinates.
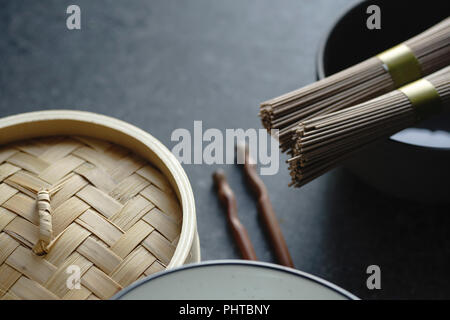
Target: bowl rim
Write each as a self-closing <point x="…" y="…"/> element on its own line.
<point x="320" y="73"/>
<point x="116" y="131"/>
<point x="228" y="262"/>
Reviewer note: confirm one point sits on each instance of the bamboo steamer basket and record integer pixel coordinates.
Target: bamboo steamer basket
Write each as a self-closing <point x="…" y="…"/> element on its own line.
<point x="83" y="190"/>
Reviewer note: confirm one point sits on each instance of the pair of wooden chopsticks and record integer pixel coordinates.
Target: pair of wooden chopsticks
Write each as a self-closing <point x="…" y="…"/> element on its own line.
<point x="265" y="210"/>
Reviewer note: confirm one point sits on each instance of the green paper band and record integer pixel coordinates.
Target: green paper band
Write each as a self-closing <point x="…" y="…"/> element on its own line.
<point x="423" y="96"/>
<point x="401" y="64"/>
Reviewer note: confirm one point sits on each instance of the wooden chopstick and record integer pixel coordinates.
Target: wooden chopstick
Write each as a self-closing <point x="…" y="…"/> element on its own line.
<point x="228" y="199"/>
<point x="266" y="211"/>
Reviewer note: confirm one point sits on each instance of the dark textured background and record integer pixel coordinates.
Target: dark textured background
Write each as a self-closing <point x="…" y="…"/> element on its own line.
<point x="162" y="64"/>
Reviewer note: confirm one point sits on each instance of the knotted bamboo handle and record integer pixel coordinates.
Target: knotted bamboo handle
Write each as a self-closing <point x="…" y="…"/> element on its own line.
<point x="45" y="223"/>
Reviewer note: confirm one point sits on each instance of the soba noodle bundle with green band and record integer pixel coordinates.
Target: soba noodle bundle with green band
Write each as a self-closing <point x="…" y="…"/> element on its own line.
<point x="415" y="58"/>
<point x="402" y="64"/>
<point x="423" y="97"/>
<point x="325" y="141"/>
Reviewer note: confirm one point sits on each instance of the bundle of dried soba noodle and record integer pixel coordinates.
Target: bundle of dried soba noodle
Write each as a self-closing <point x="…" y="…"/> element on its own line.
<point x="325" y="141"/>
<point x="407" y="62"/>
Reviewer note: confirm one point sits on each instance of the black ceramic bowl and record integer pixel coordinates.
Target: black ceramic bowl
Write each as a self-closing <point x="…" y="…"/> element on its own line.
<point x="414" y="163"/>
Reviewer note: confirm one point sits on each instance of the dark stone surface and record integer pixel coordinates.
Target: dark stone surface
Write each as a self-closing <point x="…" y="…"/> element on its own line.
<point x="160" y="65"/>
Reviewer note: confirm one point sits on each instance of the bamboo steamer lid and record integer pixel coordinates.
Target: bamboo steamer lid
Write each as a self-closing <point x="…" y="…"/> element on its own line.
<point x="76" y="205"/>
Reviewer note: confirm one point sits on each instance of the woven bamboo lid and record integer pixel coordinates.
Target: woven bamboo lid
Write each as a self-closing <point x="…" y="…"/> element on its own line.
<point x="109" y="212"/>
